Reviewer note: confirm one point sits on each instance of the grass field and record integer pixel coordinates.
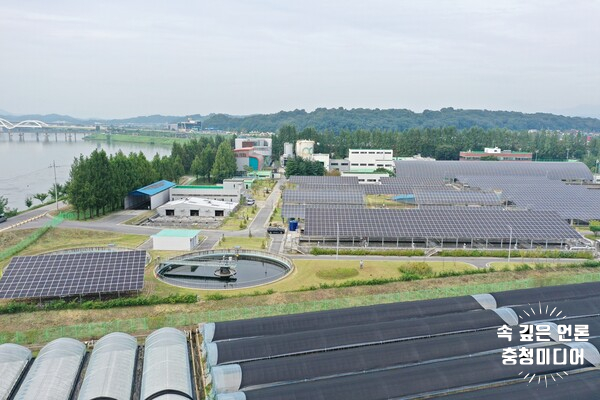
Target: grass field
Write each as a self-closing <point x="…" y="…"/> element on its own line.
<point x="259" y="186"/>
<point x="252" y="243"/>
<point x="232" y="221"/>
<point x="383" y="200"/>
<point x="167" y="141"/>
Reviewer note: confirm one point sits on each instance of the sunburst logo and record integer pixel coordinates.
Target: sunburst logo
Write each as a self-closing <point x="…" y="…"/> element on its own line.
<point x="537" y="342"/>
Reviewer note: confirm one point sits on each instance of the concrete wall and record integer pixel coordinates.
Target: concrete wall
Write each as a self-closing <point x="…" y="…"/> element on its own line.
<point x="159" y="199"/>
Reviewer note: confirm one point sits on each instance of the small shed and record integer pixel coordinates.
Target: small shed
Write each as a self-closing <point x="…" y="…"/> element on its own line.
<point x="175" y="239"/>
<point x="149" y="197"/>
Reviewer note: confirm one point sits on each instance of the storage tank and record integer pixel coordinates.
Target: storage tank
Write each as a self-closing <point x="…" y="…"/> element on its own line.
<point x="305" y="148"/>
<point x="288" y="149"/>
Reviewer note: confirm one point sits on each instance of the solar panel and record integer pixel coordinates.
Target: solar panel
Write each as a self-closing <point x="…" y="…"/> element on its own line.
<point x="457" y="197"/>
<point x="298" y="210"/>
<point x="324" y="180"/>
<point x="540" y="193"/>
<point x="322" y="197"/>
<point x="63" y="275"/>
<point x="456" y="222"/>
<point x="450" y="169"/>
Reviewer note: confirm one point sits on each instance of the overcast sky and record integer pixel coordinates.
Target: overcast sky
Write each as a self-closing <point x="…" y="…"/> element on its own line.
<point x="115" y="58"/>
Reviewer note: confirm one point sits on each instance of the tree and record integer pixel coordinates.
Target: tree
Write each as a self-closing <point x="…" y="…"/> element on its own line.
<point x="224" y="166"/>
<point x="300" y="166"/>
<point x="28" y="202"/>
<point x="41" y="197"/>
<point x="595" y="227"/>
<point x="196" y="167"/>
<point x="207" y="159"/>
<point x="382" y="170"/>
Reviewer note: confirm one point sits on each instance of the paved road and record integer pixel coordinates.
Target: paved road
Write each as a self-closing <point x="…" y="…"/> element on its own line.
<point x="36" y="217"/>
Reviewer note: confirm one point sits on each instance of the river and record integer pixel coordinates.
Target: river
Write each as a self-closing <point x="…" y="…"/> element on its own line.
<point x="26" y="164"/>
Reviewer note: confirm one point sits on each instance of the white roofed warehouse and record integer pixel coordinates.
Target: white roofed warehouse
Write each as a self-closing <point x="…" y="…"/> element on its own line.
<point x="196" y="207"/>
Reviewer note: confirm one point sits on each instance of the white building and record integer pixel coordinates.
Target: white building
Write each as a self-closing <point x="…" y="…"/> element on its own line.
<point x="322" y="158"/>
<point x="366" y="176"/>
<point x="371" y="158"/>
<point x="305" y="148"/>
<point x="229" y="194"/>
<point x="175" y="239"/>
<point x="196" y="207"/>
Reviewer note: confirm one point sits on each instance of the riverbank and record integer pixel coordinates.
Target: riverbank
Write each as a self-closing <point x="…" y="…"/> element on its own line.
<point x="135" y="139"/>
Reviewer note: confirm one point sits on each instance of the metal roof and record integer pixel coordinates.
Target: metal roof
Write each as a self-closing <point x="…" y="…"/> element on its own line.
<point x="155" y="188"/>
<point x="181" y="233"/>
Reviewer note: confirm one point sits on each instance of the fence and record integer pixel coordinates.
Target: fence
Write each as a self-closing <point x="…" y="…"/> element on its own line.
<point x="144" y="325"/>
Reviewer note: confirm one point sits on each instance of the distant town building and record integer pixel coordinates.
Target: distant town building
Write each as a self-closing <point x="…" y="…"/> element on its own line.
<point x="495" y="153"/>
<point x="189" y="125"/>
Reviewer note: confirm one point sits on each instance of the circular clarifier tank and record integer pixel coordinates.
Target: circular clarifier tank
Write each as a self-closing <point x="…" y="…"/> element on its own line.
<point x="224" y="269"/>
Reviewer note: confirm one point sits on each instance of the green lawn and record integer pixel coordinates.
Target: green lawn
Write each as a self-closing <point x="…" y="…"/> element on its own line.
<point x="253" y="243"/>
<point x="233" y="222"/>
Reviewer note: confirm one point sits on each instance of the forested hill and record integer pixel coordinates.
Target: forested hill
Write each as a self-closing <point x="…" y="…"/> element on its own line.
<point x="339" y="119"/>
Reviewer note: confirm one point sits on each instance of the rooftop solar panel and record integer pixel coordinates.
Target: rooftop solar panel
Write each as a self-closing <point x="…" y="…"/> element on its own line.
<point x="457" y="222"/>
<point x="66" y="275"/>
<point x="322" y="197"/>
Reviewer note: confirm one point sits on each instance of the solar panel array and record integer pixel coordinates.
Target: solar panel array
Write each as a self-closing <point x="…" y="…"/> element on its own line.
<point x="539" y="193"/>
<point x="458" y="222"/>
<point x="66" y="275"/>
<point x="299" y="210"/>
<point x="322" y="197"/>
<point x="450" y="169"/>
<point x="324" y="180"/>
<point x="423" y="197"/>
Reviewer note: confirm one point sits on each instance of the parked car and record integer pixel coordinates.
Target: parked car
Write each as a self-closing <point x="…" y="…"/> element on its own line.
<point x="2" y="218"/>
<point x="250" y="202"/>
<point x="275" y="229"/>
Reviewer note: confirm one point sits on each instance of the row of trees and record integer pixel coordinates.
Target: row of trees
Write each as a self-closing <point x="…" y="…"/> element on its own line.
<point x="446" y="143"/>
<point x="300" y="166"/>
<point x="99" y="183"/>
<point x="339" y="119"/>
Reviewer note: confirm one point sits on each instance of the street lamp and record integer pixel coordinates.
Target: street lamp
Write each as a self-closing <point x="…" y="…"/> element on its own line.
<point x="567" y="154"/>
<point x="536" y="154"/>
<point x="509" y="242"/>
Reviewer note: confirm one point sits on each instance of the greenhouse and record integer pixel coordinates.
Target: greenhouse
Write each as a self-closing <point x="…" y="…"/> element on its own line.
<point x="54" y="372"/>
<point x="167" y="374"/>
<point x="109" y="374"/>
<point x="13" y="360"/>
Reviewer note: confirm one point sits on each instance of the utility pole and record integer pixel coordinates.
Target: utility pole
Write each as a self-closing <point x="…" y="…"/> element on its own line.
<point x="55" y="184"/>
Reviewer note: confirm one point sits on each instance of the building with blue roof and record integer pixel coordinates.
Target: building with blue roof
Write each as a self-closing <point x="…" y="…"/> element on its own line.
<point x="149" y="197"/>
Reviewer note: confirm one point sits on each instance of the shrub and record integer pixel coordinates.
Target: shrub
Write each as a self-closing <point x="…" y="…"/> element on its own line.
<point x="417" y="268"/>
<point x="215" y="296"/>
